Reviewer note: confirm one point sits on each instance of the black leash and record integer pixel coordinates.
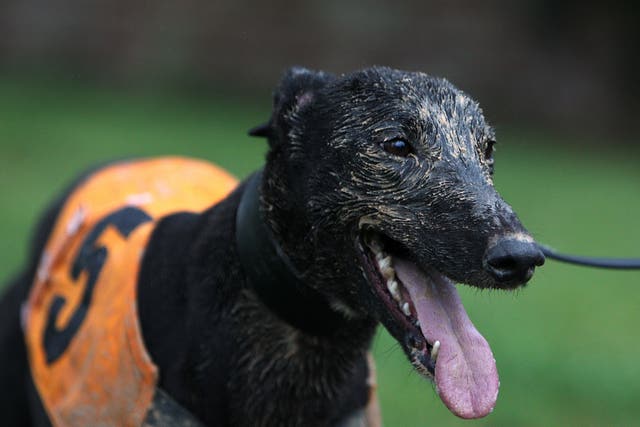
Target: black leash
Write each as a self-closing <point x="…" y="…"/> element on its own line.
<point x="612" y="263"/>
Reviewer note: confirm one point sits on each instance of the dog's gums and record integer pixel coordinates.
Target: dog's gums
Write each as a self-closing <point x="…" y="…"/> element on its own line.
<point x="379" y="271"/>
<point x="426" y="306"/>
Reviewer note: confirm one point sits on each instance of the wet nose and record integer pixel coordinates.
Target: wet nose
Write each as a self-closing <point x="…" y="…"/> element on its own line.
<point x="512" y="260"/>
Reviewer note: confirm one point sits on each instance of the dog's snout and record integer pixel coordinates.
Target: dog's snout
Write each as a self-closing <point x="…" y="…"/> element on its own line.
<point x="513" y="261"/>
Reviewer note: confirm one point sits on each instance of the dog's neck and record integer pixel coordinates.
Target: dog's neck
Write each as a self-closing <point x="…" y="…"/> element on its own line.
<point x="272" y="275"/>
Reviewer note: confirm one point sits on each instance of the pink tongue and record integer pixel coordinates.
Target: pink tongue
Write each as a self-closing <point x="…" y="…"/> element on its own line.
<point x="466" y="376"/>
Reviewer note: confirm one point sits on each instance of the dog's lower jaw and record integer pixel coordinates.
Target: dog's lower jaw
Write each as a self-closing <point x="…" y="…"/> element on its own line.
<point x="397" y="306"/>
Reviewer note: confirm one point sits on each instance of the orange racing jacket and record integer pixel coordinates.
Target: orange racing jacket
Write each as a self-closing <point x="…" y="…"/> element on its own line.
<point x="86" y="352"/>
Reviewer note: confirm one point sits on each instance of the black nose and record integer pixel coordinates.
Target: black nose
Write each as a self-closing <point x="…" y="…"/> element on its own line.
<point x="512" y="260"/>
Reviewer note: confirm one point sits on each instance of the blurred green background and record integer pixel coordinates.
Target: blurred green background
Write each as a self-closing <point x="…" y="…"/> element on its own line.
<point x="567" y="346"/>
<point x="73" y="94"/>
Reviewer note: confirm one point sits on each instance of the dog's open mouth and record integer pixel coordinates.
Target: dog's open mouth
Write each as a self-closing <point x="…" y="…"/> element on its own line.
<point x="441" y="341"/>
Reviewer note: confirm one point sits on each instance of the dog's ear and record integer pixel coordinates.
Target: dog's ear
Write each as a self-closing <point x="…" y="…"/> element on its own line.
<point x="296" y="92"/>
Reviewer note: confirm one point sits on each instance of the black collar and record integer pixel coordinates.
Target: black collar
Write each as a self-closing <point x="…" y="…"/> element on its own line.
<point x="271" y="273"/>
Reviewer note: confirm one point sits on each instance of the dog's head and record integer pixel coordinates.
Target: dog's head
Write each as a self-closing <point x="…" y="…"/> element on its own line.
<point x="379" y="188"/>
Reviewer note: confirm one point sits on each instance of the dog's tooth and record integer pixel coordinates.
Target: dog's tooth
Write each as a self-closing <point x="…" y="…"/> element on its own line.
<point x="375" y="245"/>
<point x="384" y="261"/>
<point x="388" y="272"/>
<point x="394" y="289"/>
<point x="384" y="265"/>
<point x="405" y="309"/>
<point x="434" y="351"/>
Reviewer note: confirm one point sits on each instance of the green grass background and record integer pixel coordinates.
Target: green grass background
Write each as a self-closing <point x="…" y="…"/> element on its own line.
<point x="567" y="346"/>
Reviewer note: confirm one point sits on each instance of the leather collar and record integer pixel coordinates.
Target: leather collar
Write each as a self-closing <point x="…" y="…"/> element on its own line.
<point x="272" y="275"/>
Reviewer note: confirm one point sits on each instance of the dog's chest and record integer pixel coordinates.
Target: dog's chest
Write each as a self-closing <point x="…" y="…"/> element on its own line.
<point x="288" y="382"/>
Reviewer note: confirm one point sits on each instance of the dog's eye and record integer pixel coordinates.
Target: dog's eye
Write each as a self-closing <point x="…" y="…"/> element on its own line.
<point x="397" y="147"/>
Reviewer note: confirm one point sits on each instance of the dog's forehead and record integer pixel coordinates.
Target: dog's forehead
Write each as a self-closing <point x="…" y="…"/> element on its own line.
<point x="404" y="86"/>
<point x="381" y="93"/>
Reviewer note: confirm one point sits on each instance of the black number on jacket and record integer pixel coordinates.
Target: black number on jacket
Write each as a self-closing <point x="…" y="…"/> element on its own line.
<point x="90" y="258"/>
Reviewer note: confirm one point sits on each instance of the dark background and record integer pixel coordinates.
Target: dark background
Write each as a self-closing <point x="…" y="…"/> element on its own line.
<point x="571" y="65"/>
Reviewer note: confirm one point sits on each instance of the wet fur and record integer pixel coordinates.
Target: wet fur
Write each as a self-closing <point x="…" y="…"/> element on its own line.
<point x="225" y="356"/>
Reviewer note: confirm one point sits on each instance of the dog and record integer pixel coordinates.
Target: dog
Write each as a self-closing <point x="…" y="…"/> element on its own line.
<point x="161" y="292"/>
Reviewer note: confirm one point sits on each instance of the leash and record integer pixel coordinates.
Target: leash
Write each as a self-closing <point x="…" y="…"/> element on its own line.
<point x="610" y="263"/>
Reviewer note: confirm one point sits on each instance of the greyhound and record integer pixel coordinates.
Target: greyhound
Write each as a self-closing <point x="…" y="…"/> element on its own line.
<point x="259" y="309"/>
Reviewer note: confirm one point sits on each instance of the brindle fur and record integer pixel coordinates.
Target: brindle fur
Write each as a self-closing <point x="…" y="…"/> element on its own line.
<point x="220" y="351"/>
